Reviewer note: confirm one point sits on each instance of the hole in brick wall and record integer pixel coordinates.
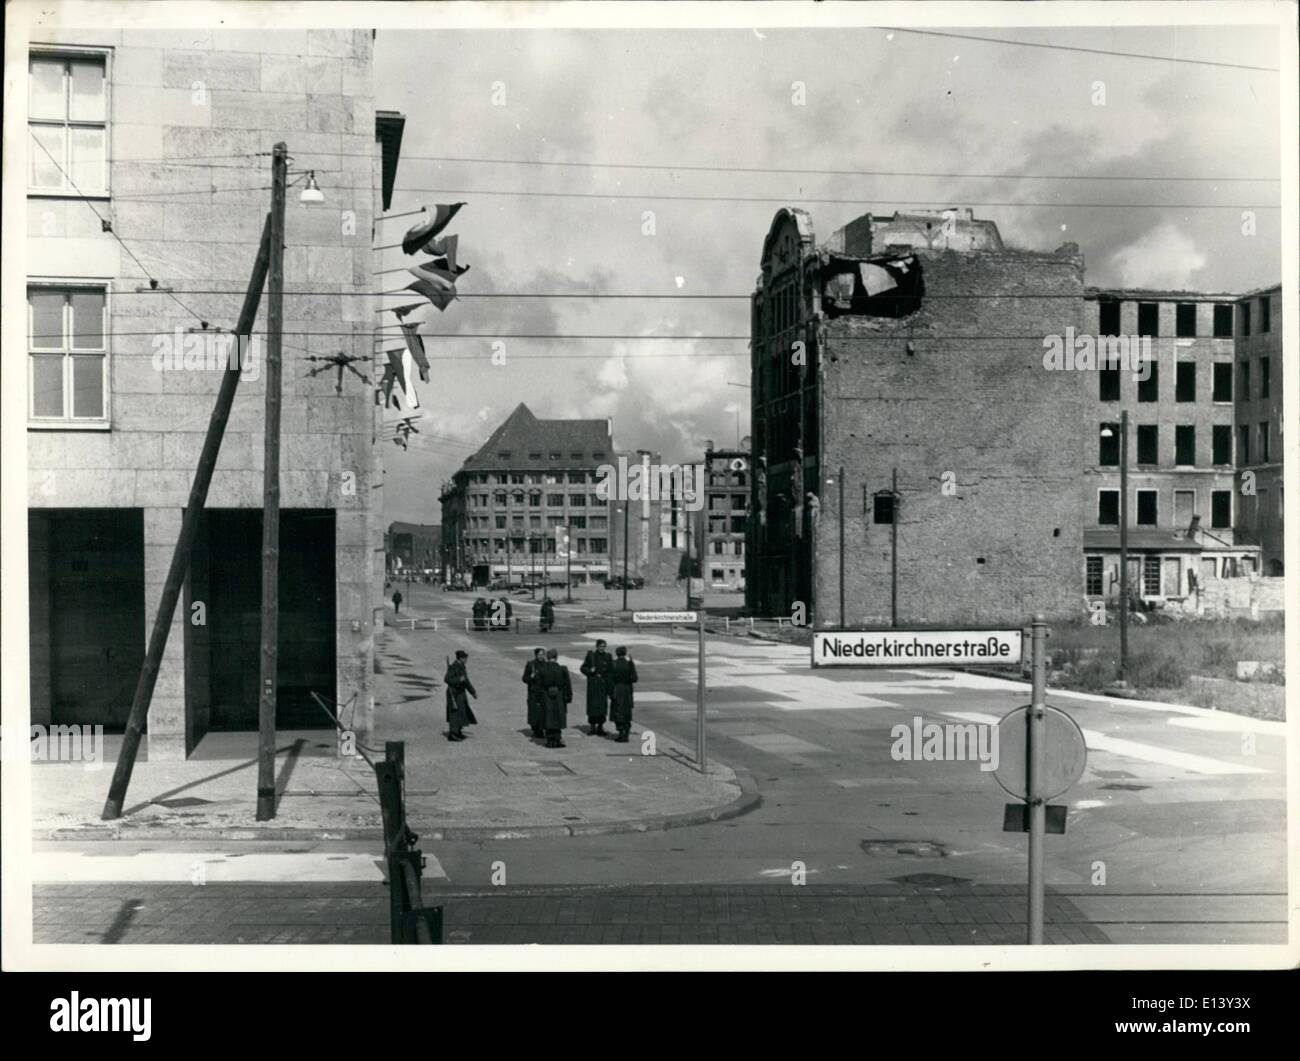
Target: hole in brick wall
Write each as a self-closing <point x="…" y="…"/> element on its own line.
<point x="1056" y="532"/>
<point x="979" y="561"/>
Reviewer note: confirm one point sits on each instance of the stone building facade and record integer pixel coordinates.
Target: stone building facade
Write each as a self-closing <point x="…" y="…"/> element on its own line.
<point x="913" y="346"/>
<point x="724" y="521"/>
<point x="167" y="135"/>
<point x="1258" y="415"/>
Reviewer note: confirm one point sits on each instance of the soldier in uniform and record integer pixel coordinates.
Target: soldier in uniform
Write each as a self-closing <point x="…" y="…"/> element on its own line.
<point x="558" y="690"/>
<point x="548" y="614"/>
<point x="596" y="668"/>
<point x="622" y="676"/>
<point x="536" y="697"/>
<point x="459" y="714"/>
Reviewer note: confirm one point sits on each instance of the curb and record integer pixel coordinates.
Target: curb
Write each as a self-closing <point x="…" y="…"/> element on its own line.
<point x="748" y="799"/>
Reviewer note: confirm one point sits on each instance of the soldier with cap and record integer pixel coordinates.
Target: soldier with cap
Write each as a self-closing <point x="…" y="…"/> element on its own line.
<point x="536" y="697"/>
<point x="459" y="714"/>
<point x="622" y="676"/>
<point x="558" y="690"/>
<point x="596" y="668"/>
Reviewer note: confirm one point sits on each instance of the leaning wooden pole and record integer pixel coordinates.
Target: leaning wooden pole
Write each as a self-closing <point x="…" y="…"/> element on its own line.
<point x="185" y="542"/>
<point x="270" y="656"/>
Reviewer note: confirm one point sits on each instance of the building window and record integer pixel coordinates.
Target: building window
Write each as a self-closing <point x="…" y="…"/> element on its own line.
<point x="577" y="477"/>
<point x="1150" y="576"/>
<point x="500" y="497"/>
<point x="1220" y="509"/>
<point x="1108" y="385"/>
<point x="596" y="501"/>
<point x="1185" y="381"/>
<point x="1108" y="445"/>
<point x="1148" y="444"/>
<point x="1265" y="315"/>
<point x="67" y="113"/>
<point x="882" y="508"/>
<point x="599" y="523"/>
<point x="1185" y="445"/>
<point x="1222" y="443"/>
<point x="1265" y="364"/>
<point x="556" y="456"/>
<point x="501" y="522"/>
<point x="1108" y="311"/>
<point x="555" y="500"/>
<point x="1243" y="314"/>
<point x="1243" y="444"/>
<point x="598" y="455"/>
<point x="716" y="573"/>
<point x="1148" y="508"/>
<point x="576" y="455"/>
<point x="578" y="522"/>
<point x="1185" y="320"/>
<point x="1149" y="388"/>
<point x="517" y="478"/>
<point x="577" y="500"/>
<point x="1108" y="508"/>
<point x="1222" y="321"/>
<point x="1222" y="390"/>
<point x="1263" y="442"/>
<point x="599" y="545"/>
<point x="1243" y="381"/>
<point x="1184" y="507"/>
<point x="535" y="455"/>
<point x="535" y="499"/>
<point x="1093" y="584"/>
<point x="67" y="355"/>
<point x="1149" y="319"/>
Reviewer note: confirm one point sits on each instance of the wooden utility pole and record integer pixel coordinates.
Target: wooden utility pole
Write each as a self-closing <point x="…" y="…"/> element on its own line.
<point x="893" y="551"/>
<point x="185" y="541"/>
<point x="1123" y="545"/>
<point x="270" y="656"/>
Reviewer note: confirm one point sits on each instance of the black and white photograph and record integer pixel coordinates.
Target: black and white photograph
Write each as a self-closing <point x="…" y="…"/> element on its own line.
<point x="682" y="485"/>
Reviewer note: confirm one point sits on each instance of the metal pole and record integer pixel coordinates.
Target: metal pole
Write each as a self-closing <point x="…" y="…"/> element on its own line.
<point x="1123" y="544"/>
<point x="893" y="552"/>
<point x="185" y="542"/>
<point x="841" y="482"/>
<point x="271" y="495"/>
<point x="687" y="517"/>
<point x="626" y="515"/>
<point x="1037" y="805"/>
<point x="699" y="702"/>
<point x="532" y="581"/>
<point x="568" y="564"/>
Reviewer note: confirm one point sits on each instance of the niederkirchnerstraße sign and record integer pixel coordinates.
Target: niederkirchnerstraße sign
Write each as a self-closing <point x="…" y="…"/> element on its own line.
<point x="914" y="648"/>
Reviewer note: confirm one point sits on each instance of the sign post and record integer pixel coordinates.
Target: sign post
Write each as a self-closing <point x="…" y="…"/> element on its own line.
<point x="1035" y="794"/>
<point x="685" y="618"/>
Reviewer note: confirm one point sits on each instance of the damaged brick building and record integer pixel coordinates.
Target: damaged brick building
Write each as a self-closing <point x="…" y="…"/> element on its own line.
<point x="904" y="422"/>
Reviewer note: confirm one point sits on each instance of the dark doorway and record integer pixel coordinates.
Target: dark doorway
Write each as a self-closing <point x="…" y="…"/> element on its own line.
<point x="87" y="618"/>
<point x="228" y="567"/>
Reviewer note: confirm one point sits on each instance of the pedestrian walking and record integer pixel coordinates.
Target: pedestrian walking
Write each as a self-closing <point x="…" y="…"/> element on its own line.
<point x="596" y="668"/>
<point x="459" y="713"/>
<point x="558" y="690"/>
<point x="397" y="602"/>
<point x="533" y="671"/>
<point x="622" y="676"/>
<point x="548" y="614"/>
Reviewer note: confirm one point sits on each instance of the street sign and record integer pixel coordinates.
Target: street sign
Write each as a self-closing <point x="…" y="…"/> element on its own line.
<point x="1065" y="753"/>
<point x="665" y="617"/>
<point x="915" y="648"/>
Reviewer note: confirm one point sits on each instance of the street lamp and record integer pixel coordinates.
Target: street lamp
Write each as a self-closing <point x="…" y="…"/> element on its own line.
<point x="1107" y="432"/>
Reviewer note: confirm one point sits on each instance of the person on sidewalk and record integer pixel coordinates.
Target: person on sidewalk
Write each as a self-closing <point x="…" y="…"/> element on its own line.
<point x="622" y="676"/>
<point x="548" y="615"/>
<point x="558" y="690"/>
<point x="459" y="713"/>
<point x="397" y="601"/>
<point x="596" y="668"/>
<point x="536" y="697"/>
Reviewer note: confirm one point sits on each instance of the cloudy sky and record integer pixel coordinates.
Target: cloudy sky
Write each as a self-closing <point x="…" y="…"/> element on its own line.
<point x="874" y="103"/>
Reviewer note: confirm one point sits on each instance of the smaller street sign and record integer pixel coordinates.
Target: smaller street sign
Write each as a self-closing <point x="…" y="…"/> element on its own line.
<point x="665" y="617"/>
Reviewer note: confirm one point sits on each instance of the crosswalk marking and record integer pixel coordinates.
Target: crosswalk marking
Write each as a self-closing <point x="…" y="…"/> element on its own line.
<point x="215" y="867"/>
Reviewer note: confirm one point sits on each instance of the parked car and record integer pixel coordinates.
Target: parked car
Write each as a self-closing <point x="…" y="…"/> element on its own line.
<point x="633" y="582"/>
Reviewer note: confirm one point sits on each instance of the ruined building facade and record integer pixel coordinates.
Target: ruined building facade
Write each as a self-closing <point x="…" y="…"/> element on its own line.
<point x="898" y="375"/>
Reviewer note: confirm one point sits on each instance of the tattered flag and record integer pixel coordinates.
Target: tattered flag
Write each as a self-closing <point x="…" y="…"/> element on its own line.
<point x="427" y="229"/>
<point x="416" y="346"/>
<point x="444" y="248"/>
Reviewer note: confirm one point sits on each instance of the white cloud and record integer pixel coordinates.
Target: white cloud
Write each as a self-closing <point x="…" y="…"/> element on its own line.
<point x="1164" y="257"/>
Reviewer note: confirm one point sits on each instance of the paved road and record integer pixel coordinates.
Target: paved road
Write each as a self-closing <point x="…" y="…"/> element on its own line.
<point x="1176" y="831"/>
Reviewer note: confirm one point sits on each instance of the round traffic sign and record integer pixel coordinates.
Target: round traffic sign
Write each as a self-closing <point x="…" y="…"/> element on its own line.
<point x="1065" y="753"/>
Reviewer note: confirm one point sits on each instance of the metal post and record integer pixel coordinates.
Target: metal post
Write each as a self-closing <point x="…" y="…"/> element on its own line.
<point x="687" y="517"/>
<point x="532" y="581"/>
<point x="1123" y="545"/>
<point x="185" y="541"/>
<point x="699" y="702"/>
<point x="1037" y="805"/>
<point x="568" y="563"/>
<point x="893" y="552"/>
<point x="626" y="520"/>
<point x="270" y="657"/>
<point x="841" y="482"/>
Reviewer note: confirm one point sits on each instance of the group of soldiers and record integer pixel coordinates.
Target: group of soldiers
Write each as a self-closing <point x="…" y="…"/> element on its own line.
<point x="550" y="691"/>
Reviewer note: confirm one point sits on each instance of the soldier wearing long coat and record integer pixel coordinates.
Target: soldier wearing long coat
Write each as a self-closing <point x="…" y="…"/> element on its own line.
<point x="459" y="713"/>
<point x="622" y="676"/>
<point x="536" y="696"/>
<point x="558" y="690"/>
<point x="596" y="668"/>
